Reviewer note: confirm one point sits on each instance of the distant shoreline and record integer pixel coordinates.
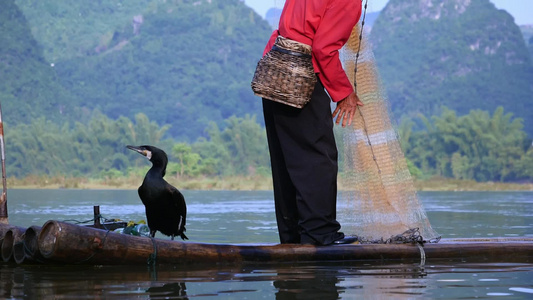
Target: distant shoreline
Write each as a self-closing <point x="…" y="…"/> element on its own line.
<point x="241" y="183"/>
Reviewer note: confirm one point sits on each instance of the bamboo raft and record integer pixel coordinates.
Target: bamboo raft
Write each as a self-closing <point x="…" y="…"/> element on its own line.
<point x="64" y="243"/>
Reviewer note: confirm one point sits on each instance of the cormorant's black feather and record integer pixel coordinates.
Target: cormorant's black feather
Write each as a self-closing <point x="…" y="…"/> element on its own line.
<point x="166" y="210"/>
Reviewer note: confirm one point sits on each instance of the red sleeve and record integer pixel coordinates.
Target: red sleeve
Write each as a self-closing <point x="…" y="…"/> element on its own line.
<point x="332" y="33"/>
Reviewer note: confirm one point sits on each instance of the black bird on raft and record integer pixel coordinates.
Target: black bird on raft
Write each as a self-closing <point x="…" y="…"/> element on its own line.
<point x="166" y="210"/>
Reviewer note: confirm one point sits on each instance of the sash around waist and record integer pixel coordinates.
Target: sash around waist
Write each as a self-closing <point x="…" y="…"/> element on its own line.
<point x="282" y="50"/>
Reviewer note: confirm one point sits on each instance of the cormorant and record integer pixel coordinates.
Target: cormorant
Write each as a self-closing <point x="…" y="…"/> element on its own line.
<point x="166" y="210"/>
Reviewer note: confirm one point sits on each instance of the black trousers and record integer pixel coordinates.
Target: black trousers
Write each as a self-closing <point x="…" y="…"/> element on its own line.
<point x="304" y="155"/>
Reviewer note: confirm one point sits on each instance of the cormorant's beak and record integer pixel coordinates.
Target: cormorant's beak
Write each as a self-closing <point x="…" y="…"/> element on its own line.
<point x="140" y="150"/>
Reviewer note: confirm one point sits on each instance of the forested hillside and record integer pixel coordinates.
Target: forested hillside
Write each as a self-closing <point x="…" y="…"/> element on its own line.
<point x="461" y="54"/>
<point x="530" y="45"/>
<point x="81" y="79"/>
<point x="67" y="29"/>
<point x="29" y="86"/>
<point x="272" y="16"/>
<point x="527" y="31"/>
<point x="480" y="146"/>
<point x="185" y="63"/>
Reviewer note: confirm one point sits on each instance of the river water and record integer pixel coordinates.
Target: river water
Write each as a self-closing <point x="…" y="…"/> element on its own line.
<point x="248" y="217"/>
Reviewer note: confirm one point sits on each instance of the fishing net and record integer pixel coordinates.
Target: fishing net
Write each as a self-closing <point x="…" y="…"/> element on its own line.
<point x="378" y="200"/>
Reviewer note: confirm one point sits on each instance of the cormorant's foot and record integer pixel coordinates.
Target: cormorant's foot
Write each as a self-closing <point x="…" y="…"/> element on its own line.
<point x="345" y="240"/>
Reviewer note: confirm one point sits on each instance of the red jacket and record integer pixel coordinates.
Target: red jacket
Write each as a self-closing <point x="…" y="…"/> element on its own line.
<point x="326" y="26"/>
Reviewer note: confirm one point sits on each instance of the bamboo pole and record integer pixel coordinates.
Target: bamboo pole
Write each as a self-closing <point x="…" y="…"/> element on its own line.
<point x="27" y="249"/>
<point x="72" y="244"/>
<point x="12" y="237"/>
<point x="3" y="198"/>
<point x="3" y="229"/>
<point x="18" y="251"/>
<point x="68" y="243"/>
<point x="96" y="211"/>
<point x="31" y="245"/>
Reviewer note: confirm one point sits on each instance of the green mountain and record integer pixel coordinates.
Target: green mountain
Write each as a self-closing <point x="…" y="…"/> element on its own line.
<point x="189" y="62"/>
<point x="183" y="63"/>
<point x="272" y="16"/>
<point x="29" y="87"/>
<point x="530" y="46"/>
<point x="67" y="29"/>
<point x="76" y="89"/>
<point x="527" y="32"/>
<point x="460" y="54"/>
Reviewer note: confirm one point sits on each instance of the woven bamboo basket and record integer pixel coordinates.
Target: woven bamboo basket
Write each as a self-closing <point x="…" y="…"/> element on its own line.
<point x="285" y="74"/>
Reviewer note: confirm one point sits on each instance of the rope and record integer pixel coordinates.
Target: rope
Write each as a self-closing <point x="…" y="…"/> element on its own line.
<point x="422" y="255"/>
<point x="359" y="49"/>
<point x="435" y="240"/>
<point x="87" y="221"/>
<point x="355" y="87"/>
<point x="28" y="254"/>
<point x="97" y="217"/>
<point x="94" y="253"/>
<point x="411" y="236"/>
<point x="152" y="258"/>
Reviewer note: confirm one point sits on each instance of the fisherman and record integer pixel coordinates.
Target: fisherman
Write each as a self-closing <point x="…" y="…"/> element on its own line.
<point x="302" y="146"/>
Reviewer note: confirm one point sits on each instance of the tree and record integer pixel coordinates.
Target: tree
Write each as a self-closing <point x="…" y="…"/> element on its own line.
<point x="188" y="161"/>
<point x="43" y="147"/>
<point x="475" y="146"/>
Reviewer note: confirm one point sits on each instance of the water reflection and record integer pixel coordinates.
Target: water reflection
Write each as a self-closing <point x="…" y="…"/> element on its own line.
<point x="169" y="290"/>
<point x="288" y="281"/>
<point x="307" y="284"/>
<point x="334" y="282"/>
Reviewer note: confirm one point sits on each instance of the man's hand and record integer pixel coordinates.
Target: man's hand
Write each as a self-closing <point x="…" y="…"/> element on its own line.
<point x="346" y="109"/>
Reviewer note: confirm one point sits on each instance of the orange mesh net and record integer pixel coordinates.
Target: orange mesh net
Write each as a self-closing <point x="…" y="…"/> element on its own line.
<point x="378" y="199"/>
